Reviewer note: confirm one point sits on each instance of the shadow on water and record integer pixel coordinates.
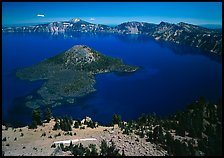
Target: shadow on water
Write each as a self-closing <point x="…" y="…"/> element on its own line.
<point x="176" y="48"/>
<point x="20" y="115"/>
<point x="187" y="50"/>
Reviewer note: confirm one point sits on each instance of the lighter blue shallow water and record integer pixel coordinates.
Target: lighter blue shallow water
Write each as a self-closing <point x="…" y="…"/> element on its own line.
<point x="170" y="78"/>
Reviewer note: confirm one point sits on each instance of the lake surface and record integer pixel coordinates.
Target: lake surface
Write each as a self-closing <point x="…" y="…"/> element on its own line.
<point x="171" y="76"/>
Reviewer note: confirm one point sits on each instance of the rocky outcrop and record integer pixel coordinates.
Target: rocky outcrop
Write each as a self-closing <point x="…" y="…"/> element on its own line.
<point x="191" y="35"/>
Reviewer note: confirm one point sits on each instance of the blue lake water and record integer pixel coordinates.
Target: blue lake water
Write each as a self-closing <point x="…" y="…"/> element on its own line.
<point x="171" y="76"/>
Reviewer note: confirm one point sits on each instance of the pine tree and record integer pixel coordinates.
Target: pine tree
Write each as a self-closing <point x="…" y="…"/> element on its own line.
<point x="149" y="136"/>
<point x="70" y="146"/>
<point x="71" y="120"/>
<point x="126" y="131"/>
<point x="116" y="119"/>
<point x="169" y="138"/>
<point x="141" y="134"/>
<point x="123" y="154"/>
<point x="57" y="125"/>
<point x="48" y="114"/>
<point x="36" y="115"/>
<point x="93" y="150"/>
<point x="76" y="125"/>
<point x="36" y="118"/>
<point x="158" y="134"/>
<point x="33" y="125"/>
<point x="103" y="148"/>
<point x="112" y="151"/>
<point x="62" y="146"/>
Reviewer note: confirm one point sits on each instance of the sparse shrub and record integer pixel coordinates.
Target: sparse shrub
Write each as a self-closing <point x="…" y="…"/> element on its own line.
<point x="53" y="146"/>
<point x="4" y="139"/>
<point x="76" y="125"/>
<point x="56" y="135"/>
<point x="34" y="148"/>
<point x="43" y="134"/>
<point x="21" y="135"/>
<point x="91" y="124"/>
<point x="82" y="127"/>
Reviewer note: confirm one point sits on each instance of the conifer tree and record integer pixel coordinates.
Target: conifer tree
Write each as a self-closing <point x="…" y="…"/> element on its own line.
<point x="36" y="116"/>
<point x="103" y="148"/>
<point x="116" y="119"/>
<point x="93" y="150"/>
<point x="48" y="114"/>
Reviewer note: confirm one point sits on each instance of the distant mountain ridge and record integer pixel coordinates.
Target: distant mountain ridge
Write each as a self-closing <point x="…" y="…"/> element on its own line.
<point x="180" y="33"/>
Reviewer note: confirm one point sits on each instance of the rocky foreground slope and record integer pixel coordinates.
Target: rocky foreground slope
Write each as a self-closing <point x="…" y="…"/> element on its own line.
<point x="180" y="33"/>
<point x="196" y="131"/>
<point x="32" y="142"/>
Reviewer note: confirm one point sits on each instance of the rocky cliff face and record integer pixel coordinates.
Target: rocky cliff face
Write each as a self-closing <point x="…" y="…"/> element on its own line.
<point x="135" y="28"/>
<point x="181" y="33"/>
<point x="187" y="34"/>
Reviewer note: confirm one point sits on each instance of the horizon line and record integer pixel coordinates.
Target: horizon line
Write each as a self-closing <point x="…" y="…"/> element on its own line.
<point x="110" y="24"/>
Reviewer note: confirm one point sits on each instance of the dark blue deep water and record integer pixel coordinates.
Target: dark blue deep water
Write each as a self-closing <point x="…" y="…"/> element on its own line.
<point x="170" y="78"/>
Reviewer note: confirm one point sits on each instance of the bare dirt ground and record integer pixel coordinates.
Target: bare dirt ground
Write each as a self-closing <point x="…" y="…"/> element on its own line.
<point x="33" y="144"/>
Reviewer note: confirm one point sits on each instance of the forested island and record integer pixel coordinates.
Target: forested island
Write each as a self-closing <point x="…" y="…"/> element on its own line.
<point x="69" y="75"/>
